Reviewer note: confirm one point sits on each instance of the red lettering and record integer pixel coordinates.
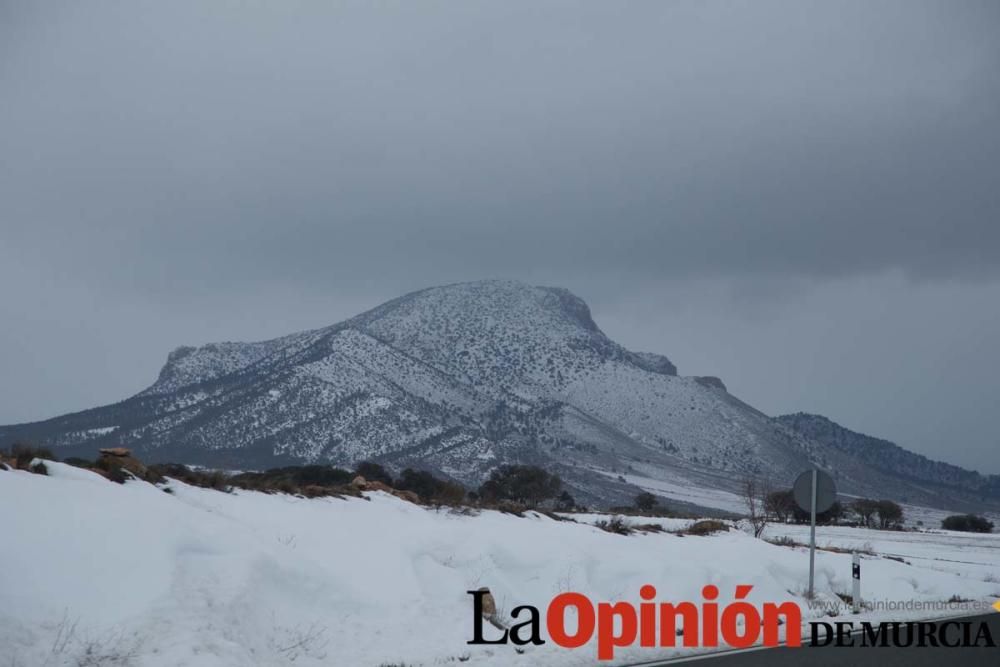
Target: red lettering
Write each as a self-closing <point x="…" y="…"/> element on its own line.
<point x="555" y="620"/>
<point x="607" y="640"/>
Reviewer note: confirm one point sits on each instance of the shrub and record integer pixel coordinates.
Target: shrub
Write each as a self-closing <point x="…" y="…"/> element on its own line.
<point x="294" y="479"/>
<point x="373" y="472"/>
<point x="429" y="488"/>
<point x="648" y="528"/>
<point x="510" y="507"/>
<point x="450" y="493"/>
<point x="968" y="523"/>
<point x="23" y="454"/>
<point x="616" y="525"/>
<point x="646" y="501"/>
<point x="706" y="527"/>
<point x="122" y="468"/>
<point x="565" y="502"/>
<point x="317" y="475"/>
<point x="421" y="482"/>
<point x="286" y="486"/>
<point x="117" y="475"/>
<point x="528" y="485"/>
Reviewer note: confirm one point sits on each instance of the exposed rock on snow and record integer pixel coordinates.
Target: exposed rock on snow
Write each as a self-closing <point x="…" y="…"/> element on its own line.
<point x="120" y="458"/>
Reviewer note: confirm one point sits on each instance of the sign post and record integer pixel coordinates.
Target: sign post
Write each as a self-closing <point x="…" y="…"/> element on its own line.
<point x="812" y="534"/>
<point x="814" y="492"/>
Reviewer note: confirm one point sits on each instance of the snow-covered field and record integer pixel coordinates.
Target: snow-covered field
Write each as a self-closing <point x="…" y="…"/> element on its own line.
<point x="965" y="555"/>
<point x="684" y="490"/>
<point x="90" y="570"/>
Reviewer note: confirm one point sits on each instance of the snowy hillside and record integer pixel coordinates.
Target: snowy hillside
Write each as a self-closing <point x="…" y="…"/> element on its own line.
<point x="201" y="577"/>
<point x="889" y="458"/>
<point x="459" y="379"/>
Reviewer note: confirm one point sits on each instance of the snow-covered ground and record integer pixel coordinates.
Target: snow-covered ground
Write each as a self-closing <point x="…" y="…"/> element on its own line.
<point x="966" y="555"/>
<point x="679" y="488"/>
<point x="91" y="569"/>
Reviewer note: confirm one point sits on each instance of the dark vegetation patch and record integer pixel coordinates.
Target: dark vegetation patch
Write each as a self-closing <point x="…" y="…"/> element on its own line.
<point x="20" y="455"/>
<point x="373" y="472"/>
<point x="968" y="523"/>
<point x="311" y="480"/>
<point x="429" y="488"/>
<point x="616" y="525"/>
<point x="705" y="527"/>
<point x="527" y="485"/>
<point x="512" y="489"/>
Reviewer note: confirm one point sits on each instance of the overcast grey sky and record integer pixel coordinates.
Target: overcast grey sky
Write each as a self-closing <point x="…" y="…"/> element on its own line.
<point x="800" y="197"/>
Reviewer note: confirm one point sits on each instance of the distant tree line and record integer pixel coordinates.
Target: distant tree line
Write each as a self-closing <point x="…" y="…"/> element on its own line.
<point x="521" y="485"/>
<point x="525" y="485"/>
<point x="968" y="523"/>
<point x="514" y="487"/>
<point x="780" y="506"/>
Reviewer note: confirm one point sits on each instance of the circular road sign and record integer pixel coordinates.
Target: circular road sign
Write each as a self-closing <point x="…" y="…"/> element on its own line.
<point x="826" y="491"/>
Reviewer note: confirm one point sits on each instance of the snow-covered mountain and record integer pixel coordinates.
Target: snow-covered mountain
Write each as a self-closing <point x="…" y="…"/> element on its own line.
<point x="459" y="379"/>
<point x="888" y="459"/>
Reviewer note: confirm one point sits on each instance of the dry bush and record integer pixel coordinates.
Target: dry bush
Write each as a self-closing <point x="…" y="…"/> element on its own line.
<point x="706" y="527"/>
<point x="648" y="528"/>
<point x="616" y="525"/>
<point x="21" y="455"/>
<point x="312" y="481"/>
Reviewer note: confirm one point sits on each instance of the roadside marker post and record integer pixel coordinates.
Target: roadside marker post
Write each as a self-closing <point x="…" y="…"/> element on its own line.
<point x="856" y="584"/>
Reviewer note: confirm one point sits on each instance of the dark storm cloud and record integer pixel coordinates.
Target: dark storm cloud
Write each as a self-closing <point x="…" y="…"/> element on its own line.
<point x="170" y="165"/>
<point x="663" y="138"/>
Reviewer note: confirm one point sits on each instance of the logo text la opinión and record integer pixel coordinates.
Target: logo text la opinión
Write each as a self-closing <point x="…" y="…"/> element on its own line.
<point x="738" y="624"/>
<point x="707" y="624"/>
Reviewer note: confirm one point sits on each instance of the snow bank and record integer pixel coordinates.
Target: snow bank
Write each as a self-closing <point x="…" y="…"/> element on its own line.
<point x="202" y="578"/>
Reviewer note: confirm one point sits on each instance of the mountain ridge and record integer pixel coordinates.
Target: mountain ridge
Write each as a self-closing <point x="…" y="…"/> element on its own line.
<point x="888" y="456"/>
<point x="458" y="379"/>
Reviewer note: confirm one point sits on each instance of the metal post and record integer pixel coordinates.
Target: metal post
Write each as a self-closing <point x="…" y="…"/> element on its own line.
<point x="856" y="589"/>
<point x="812" y="537"/>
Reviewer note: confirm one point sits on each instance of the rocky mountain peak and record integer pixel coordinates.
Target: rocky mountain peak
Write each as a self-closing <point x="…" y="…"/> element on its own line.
<point x="462" y="378"/>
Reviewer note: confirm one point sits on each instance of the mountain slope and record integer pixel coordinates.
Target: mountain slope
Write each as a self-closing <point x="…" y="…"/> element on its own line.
<point x="890" y="460"/>
<point x="456" y="379"/>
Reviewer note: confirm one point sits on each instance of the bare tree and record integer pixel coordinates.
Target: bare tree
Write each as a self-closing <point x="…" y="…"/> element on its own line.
<point x="890" y="514"/>
<point x="780" y="505"/>
<point x="866" y="509"/>
<point x="755" y="494"/>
